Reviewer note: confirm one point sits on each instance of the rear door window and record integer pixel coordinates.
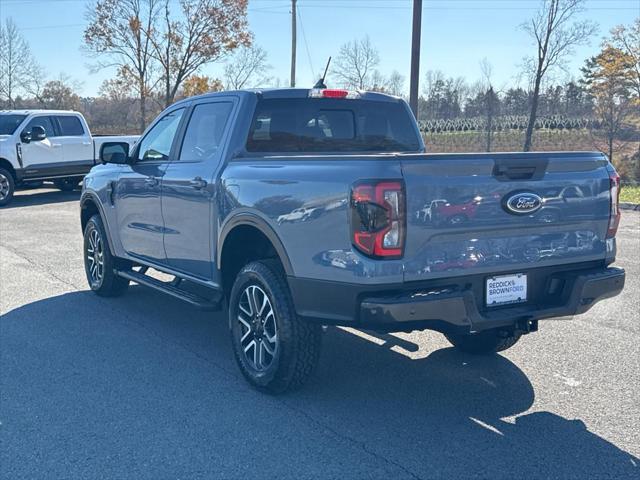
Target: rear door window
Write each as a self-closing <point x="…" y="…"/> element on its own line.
<point x="203" y="136"/>
<point x="70" y="126"/>
<point x="331" y="125"/>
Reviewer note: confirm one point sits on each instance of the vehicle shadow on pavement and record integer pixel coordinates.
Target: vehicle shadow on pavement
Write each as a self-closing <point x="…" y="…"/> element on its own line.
<point x="30" y="198"/>
<point x="453" y="415"/>
<point x="113" y="382"/>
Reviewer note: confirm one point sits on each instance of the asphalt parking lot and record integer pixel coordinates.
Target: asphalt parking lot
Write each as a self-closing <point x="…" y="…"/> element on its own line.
<point x="144" y="386"/>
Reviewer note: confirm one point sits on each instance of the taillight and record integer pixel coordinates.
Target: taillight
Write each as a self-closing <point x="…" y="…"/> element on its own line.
<point x="614" y="212"/>
<point x="332" y="93"/>
<point x="378" y="218"/>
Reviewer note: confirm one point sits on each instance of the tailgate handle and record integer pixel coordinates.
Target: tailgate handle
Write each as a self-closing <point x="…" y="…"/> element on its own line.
<point x="517" y="169"/>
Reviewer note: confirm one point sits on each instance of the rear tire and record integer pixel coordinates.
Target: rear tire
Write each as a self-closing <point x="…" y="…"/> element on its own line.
<point x="66" y="184"/>
<point x="7" y="187"/>
<point x="484" y="343"/>
<point x="99" y="263"/>
<point x="275" y="350"/>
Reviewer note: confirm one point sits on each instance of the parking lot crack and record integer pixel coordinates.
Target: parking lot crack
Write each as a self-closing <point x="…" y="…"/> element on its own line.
<point x="41" y="267"/>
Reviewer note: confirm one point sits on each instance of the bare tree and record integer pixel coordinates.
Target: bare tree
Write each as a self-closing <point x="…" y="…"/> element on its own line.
<point x="555" y="35"/>
<point x="490" y="101"/>
<point x="356" y="64"/>
<point x="395" y="84"/>
<point x="205" y="32"/>
<point x="121" y="30"/>
<point x="18" y="69"/>
<point x="377" y="82"/>
<point x="247" y="68"/>
<point x="432" y="79"/>
<point x="118" y="88"/>
<point x="486" y="70"/>
<point x="37" y="83"/>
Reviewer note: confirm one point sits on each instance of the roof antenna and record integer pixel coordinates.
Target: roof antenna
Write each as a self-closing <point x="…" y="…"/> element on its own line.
<point x="320" y="83"/>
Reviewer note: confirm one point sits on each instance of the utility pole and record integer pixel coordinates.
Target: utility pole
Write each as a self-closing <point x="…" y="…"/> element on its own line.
<point x="415" y="57"/>
<point x="293" y="43"/>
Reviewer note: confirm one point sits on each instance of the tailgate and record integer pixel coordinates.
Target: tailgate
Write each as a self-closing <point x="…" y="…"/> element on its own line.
<point x="481" y="213"/>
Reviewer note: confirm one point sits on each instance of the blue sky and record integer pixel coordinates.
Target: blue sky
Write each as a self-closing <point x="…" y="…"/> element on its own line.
<point x="456" y="34"/>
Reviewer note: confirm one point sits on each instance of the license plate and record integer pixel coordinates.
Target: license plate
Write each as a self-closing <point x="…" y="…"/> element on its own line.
<point x="506" y="289"/>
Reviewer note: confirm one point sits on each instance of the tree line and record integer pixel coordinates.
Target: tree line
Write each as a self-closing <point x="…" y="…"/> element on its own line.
<point x="159" y="49"/>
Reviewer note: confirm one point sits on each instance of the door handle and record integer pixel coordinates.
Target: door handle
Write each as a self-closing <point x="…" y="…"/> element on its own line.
<point x="151" y="181"/>
<point x="86" y="143"/>
<point x="56" y="145"/>
<point x="198" y="183"/>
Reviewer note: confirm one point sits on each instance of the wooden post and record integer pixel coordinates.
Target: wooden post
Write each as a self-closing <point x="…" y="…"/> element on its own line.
<point x="415" y="57"/>
<point x="293" y="43"/>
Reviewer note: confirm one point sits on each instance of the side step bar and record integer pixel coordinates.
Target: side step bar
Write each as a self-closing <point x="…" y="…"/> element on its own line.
<point x="170" y="289"/>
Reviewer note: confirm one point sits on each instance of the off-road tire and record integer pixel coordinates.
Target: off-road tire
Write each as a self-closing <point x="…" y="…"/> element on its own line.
<point x="484" y="343"/>
<point x="108" y="284"/>
<point x="7" y="187"/>
<point x="298" y="348"/>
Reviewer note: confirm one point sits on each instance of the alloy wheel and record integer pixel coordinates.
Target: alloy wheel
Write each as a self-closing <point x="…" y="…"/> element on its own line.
<point x="258" y="329"/>
<point x="4" y="186"/>
<point x="95" y="256"/>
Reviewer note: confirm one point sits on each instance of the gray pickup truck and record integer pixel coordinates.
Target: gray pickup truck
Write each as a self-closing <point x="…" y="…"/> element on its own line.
<point x="298" y="208"/>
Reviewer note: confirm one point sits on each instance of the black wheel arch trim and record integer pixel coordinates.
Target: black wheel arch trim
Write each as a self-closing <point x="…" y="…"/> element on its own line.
<point x="253" y="220"/>
<point x="90" y="196"/>
<point x="7" y="165"/>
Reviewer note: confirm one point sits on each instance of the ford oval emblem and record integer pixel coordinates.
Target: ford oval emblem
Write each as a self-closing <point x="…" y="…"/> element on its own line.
<point x="522" y="203"/>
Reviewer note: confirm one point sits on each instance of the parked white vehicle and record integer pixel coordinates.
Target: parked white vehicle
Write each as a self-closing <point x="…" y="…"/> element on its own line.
<point x="54" y="145"/>
<point x="298" y="215"/>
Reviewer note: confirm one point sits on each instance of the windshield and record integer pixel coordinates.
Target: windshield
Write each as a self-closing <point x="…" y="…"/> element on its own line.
<point x="9" y="123"/>
<point x="332" y="125"/>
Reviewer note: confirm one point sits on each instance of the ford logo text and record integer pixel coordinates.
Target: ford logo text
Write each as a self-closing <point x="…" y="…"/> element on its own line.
<point x="522" y="203"/>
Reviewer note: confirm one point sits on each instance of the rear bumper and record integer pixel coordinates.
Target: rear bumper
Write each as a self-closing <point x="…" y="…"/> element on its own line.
<point x="455" y="308"/>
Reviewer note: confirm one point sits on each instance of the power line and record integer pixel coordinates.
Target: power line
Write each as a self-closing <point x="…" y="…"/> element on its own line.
<point x="43" y="27"/>
<point x="306" y="45"/>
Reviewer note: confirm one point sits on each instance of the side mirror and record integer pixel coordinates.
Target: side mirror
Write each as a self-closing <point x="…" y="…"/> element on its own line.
<point x="38" y="133"/>
<point x="114" y="152"/>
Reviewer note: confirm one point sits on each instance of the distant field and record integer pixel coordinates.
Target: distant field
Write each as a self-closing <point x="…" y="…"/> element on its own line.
<point x="510" y="141"/>
<point x="630" y="194"/>
<point x="543" y="140"/>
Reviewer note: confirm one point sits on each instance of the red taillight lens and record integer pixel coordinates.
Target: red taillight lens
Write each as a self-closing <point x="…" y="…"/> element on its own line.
<point x="614" y="213"/>
<point x="378" y="218"/>
<point x="335" y="93"/>
<point x="332" y="93"/>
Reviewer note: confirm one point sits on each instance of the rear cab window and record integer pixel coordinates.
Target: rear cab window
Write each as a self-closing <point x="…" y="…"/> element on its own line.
<point x="325" y="125"/>
<point x="70" y="126"/>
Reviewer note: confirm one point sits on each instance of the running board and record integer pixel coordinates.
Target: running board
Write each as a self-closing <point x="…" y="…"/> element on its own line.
<point x="170" y="289"/>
